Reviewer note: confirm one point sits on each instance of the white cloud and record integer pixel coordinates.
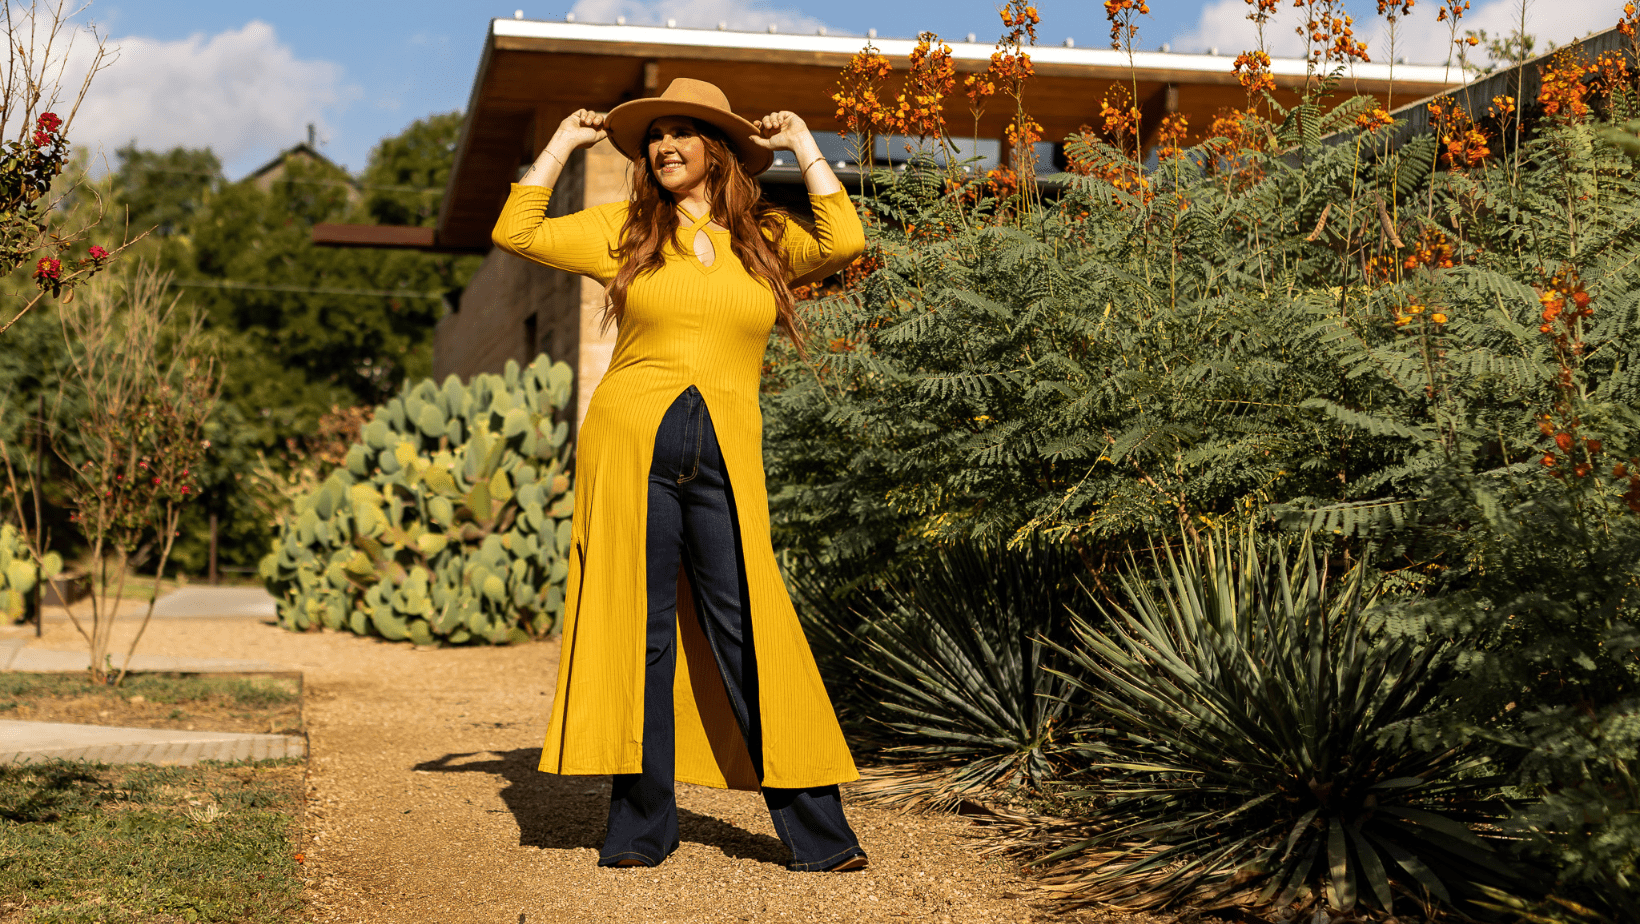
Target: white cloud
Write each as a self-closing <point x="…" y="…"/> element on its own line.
<point x="1550" y="21"/>
<point x="1223" y="25"/>
<point x="243" y="93"/>
<point x="741" y="15"/>
<point x="1419" y="38"/>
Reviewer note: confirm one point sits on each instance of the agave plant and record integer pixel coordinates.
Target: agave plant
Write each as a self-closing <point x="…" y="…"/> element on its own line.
<point x="955" y="666"/>
<point x="1249" y="749"/>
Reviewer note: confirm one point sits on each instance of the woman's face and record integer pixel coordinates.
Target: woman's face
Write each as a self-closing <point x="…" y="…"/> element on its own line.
<point x="677" y="154"/>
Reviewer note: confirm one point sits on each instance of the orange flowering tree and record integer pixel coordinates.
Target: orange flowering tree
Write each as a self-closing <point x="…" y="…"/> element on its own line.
<point x="861" y="108"/>
<point x="919" y="108"/>
<point x="1425" y="350"/>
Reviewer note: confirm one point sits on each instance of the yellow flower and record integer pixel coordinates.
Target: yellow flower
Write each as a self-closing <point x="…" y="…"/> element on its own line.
<point x="1438" y="318"/>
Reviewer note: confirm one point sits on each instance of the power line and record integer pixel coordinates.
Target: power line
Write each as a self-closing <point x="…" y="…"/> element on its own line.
<point x="352" y="184"/>
<point x="310" y="290"/>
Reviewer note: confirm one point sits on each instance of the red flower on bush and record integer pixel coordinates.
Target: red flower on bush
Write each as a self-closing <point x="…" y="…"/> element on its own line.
<point x="41" y="139"/>
<point x="98" y="254"/>
<point x="48" y="122"/>
<point x="48" y="270"/>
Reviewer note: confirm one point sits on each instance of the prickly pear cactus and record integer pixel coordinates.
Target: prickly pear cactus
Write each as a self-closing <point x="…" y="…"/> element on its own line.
<point x="18" y="572"/>
<point x="448" y="523"/>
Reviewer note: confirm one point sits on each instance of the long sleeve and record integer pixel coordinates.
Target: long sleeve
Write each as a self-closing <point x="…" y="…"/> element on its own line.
<point x="582" y="242"/>
<point x="837" y="240"/>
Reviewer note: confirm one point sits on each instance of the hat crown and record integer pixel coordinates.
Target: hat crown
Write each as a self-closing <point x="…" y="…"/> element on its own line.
<point x="628" y="123"/>
<point x="699" y="92"/>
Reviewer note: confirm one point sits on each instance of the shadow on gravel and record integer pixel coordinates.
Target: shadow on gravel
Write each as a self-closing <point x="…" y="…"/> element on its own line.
<point x="568" y="812"/>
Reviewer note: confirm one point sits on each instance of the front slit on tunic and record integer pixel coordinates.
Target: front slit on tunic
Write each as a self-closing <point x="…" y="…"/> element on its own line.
<point x="694" y="556"/>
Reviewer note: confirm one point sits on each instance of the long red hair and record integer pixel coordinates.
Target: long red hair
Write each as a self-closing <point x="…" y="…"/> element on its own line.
<point x="756" y="227"/>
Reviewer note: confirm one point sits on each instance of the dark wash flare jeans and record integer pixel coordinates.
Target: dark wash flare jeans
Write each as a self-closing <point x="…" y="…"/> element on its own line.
<point x="692" y="522"/>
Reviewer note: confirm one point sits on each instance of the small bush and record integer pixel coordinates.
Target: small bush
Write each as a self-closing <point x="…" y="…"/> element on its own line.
<point x="1542" y="604"/>
<point x="951" y="654"/>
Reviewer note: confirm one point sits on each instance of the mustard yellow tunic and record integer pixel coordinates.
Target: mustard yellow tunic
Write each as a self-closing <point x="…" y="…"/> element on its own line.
<point x="685" y="324"/>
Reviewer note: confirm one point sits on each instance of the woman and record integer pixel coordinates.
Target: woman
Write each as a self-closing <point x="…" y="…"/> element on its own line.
<point x="682" y="657"/>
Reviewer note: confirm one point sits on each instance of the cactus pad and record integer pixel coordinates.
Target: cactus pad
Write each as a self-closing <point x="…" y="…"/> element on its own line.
<point x="448" y="523"/>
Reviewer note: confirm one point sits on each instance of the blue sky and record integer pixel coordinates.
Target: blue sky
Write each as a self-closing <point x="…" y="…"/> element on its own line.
<point x="246" y="78"/>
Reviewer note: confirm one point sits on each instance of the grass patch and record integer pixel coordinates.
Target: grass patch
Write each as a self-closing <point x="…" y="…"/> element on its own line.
<point x="256" y="692"/>
<point x="260" y="703"/>
<point x="94" y="843"/>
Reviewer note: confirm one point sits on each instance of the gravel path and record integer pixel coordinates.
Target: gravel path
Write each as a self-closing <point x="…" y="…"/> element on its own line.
<point x="425" y="806"/>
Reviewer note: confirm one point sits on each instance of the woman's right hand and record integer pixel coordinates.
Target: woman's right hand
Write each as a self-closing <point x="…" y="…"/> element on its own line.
<point x="582" y="128"/>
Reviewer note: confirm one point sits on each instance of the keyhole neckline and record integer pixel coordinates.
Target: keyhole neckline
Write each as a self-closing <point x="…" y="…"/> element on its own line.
<point x="692" y="230"/>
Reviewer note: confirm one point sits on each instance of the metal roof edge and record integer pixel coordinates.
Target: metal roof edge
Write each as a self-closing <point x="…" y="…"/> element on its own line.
<point x="465" y="137"/>
<point x="961" y="51"/>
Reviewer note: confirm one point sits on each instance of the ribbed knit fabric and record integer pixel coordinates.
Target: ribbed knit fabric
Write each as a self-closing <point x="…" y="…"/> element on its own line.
<point x="685" y="324"/>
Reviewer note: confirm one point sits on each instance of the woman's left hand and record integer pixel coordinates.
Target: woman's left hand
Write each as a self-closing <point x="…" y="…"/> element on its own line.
<point x="780" y="131"/>
<point x="785" y="131"/>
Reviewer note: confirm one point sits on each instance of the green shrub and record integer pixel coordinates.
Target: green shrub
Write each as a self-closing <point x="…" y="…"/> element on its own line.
<point x="449" y="522"/>
<point x="1311" y="329"/>
<point x="1543" y="605"/>
<point x="1367" y="342"/>
<point x="1249" y="742"/>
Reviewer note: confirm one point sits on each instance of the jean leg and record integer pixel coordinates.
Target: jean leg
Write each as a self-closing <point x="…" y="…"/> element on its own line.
<point x="812" y="824"/>
<point x="809" y="821"/>
<point x="643" y="808"/>
<point x="712" y="557"/>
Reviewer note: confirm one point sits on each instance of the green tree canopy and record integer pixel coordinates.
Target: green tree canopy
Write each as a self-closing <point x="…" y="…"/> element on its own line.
<point x="320" y="326"/>
<point x="408" y="172"/>
<point x="163" y="190"/>
<point x="301" y="329"/>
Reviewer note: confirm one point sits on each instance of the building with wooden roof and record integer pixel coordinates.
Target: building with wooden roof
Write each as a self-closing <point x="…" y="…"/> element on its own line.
<point x="533" y="74"/>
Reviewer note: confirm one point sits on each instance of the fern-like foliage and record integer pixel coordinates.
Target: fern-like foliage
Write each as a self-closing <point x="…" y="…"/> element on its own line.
<point x="1304" y="334"/>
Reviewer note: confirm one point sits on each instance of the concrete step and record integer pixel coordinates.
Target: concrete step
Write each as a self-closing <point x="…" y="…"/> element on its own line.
<point x="216" y="602"/>
<point x="31" y="742"/>
<point x="16" y="655"/>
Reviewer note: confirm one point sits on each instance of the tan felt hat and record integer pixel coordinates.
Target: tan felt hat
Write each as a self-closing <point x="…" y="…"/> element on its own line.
<point x="628" y="123"/>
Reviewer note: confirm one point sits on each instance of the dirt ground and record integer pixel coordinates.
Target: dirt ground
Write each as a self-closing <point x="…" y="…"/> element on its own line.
<point x="425" y="807"/>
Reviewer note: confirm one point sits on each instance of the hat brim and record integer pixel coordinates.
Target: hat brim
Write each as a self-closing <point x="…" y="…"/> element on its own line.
<point x="629" y="122"/>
